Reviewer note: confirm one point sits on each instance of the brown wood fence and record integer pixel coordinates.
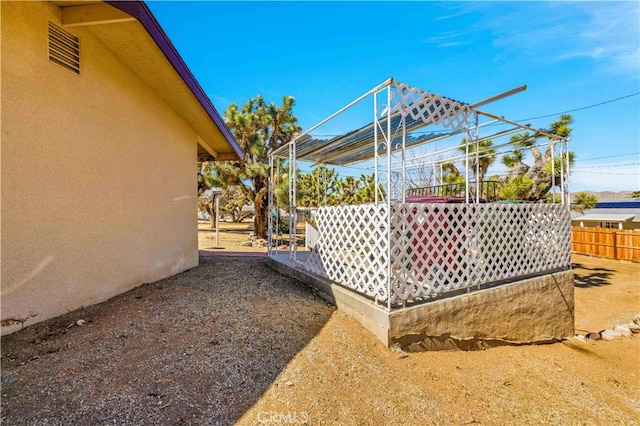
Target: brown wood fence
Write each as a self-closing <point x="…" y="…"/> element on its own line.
<point x="610" y="243"/>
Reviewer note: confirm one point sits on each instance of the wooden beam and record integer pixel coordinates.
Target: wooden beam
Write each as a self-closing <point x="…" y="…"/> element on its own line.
<point x="206" y="147"/>
<point x="93" y="14"/>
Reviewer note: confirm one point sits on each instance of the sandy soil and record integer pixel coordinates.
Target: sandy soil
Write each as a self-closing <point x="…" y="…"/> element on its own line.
<point x="607" y="292"/>
<point x="232" y="341"/>
<point x="232" y="235"/>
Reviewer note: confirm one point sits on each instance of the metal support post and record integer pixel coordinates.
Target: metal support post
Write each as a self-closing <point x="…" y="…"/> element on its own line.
<point x="404" y="158"/>
<point x="292" y="203"/>
<point x="477" y="144"/>
<point x="562" y="174"/>
<point x="568" y="177"/>
<point x="466" y="163"/>
<point x="217" y="220"/>
<point x="388" y="216"/>
<point x="552" y="147"/>
<point x="375" y="147"/>
<point x="269" y="212"/>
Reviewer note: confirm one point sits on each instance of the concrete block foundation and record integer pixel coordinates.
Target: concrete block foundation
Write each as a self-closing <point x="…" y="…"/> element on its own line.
<point x="538" y="309"/>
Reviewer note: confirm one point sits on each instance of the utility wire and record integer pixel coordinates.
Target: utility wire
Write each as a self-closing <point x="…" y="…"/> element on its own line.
<point x="606" y="166"/>
<point x="540" y="116"/>
<point x="611" y="156"/>
<point x="581" y="108"/>
<point x="604" y="173"/>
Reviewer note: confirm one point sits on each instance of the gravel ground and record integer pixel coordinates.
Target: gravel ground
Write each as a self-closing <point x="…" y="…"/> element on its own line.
<point x="232" y="341"/>
<point x="197" y="348"/>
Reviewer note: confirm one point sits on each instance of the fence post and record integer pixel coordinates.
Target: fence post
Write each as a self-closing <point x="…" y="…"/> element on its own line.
<point x="615" y="245"/>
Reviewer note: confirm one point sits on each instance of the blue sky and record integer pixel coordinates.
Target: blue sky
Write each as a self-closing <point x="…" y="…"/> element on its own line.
<point x="325" y="54"/>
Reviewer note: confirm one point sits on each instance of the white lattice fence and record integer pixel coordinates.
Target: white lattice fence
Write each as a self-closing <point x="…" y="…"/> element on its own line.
<point x="352" y="248"/>
<point x="439" y="248"/>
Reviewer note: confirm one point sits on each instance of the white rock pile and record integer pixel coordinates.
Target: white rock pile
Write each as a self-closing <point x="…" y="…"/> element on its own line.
<point x="254" y="241"/>
<point x="620" y="330"/>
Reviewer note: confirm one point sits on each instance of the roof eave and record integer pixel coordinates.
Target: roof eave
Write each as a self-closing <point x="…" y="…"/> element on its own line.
<point x="140" y="11"/>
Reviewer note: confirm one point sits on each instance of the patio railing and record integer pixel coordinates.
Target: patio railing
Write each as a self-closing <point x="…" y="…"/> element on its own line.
<point x="488" y="190"/>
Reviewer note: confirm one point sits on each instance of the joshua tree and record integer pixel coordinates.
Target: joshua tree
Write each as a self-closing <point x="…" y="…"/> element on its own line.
<point x="260" y="128"/>
<point x="539" y="174"/>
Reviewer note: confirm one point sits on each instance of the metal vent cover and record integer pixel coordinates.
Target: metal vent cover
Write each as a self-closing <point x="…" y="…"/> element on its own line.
<point x="64" y="48"/>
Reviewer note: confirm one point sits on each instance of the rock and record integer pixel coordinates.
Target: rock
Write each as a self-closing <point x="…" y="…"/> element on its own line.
<point x="580" y="337"/>
<point x="610" y="334"/>
<point x="594" y="336"/>
<point x="635" y="328"/>
<point x="623" y="330"/>
<point x="637" y="319"/>
<point x="261" y="243"/>
<point x="80" y="322"/>
<point x="248" y="243"/>
<point x="289" y="383"/>
<point x="396" y="348"/>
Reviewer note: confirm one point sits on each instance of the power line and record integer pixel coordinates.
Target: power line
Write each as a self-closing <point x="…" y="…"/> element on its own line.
<point x="604" y="173"/>
<point x="581" y="108"/>
<point x="611" y="156"/>
<point x="527" y="119"/>
<point x="607" y="166"/>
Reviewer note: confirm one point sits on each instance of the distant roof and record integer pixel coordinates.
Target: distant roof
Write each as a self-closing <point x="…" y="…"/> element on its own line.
<point x="598" y="211"/>
<point x="602" y="217"/>
<point x="140" y="11"/>
<point x="618" y="204"/>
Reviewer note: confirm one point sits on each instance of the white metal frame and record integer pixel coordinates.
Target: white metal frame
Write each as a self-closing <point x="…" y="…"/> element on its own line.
<point x="397" y="252"/>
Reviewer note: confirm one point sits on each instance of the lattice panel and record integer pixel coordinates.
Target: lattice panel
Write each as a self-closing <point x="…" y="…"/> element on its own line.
<point x="396" y="186"/>
<point x="352" y="248"/>
<point x="439" y="248"/>
<point x="519" y="239"/>
<point x="429" y="107"/>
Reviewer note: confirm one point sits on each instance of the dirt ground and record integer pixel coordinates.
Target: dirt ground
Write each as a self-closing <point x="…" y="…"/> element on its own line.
<point x="232" y="341"/>
<point x="232" y="235"/>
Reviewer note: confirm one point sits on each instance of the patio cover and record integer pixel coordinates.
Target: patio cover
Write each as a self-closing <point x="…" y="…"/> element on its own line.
<point x="410" y="109"/>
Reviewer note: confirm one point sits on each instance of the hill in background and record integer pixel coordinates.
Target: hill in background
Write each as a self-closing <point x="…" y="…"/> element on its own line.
<point x="612" y="196"/>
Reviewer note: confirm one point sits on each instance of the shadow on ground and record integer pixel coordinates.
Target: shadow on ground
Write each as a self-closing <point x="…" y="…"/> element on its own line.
<point x="585" y="277"/>
<point x="197" y="348"/>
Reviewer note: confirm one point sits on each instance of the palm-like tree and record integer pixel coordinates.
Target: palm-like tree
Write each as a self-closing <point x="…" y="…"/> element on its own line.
<point x="479" y="164"/>
<point x="584" y="201"/>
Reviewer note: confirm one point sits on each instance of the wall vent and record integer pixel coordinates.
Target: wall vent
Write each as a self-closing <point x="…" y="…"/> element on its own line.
<point x="64" y="48"/>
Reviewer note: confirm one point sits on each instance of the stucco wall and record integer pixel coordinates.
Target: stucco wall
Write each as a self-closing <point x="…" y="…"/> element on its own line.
<point x="98" y="175"/>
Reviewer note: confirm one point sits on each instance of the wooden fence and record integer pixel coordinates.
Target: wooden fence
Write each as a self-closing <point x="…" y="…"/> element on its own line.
<point x="610" y="243"/>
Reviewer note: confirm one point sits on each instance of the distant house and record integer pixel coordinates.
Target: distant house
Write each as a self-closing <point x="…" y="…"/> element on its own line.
<point x="609" y="215"/>
<point x="102" y="128"/>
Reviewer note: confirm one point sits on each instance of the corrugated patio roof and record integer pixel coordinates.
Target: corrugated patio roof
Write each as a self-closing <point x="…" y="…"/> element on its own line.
<point x="358" y="145"/>
<point x="410" y="110"/>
